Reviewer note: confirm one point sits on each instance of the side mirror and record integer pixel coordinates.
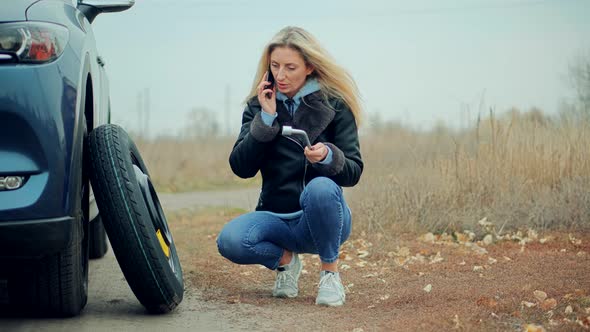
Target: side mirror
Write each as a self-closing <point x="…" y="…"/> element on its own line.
<point x="91" y="8"/>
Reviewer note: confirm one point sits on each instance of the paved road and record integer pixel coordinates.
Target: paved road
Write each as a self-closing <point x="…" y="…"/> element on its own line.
<point x="113" y="307"/>
<point x="240" y="198"/>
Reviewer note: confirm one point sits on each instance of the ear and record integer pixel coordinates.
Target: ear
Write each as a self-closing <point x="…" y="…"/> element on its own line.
<point x="309" y="69"/>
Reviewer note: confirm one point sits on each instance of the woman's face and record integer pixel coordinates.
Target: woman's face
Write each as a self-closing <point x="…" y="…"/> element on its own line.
<point x="289" y="69"/>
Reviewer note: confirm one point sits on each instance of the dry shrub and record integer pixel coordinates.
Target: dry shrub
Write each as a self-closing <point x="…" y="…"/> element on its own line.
<point x="522" y="169"/>
<point x="519" y="170"/>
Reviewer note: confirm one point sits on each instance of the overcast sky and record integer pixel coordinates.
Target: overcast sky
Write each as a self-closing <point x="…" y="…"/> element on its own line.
<point x="417" y="62"/>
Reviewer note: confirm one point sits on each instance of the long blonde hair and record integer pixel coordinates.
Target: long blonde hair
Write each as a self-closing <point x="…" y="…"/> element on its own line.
<point x="334" y="80"/>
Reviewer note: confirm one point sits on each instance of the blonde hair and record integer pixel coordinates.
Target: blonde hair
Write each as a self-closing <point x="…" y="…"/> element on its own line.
<point x="334" y="80"/>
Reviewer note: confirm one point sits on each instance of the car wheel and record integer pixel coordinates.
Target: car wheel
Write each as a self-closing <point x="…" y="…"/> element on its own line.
<point x="56" y="284"/>
<point x="134" y="220"/>
<point x="97" y="246"/>
<point x="63" y="281"/>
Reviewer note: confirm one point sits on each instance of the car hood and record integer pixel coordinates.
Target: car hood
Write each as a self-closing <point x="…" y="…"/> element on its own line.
<point x="15" y="10"/>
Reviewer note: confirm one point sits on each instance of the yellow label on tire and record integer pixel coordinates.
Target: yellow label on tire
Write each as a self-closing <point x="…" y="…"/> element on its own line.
<point x="163" y="244"/>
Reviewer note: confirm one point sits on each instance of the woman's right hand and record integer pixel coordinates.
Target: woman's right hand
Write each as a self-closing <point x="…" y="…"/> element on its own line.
<point x="266" y="97"/>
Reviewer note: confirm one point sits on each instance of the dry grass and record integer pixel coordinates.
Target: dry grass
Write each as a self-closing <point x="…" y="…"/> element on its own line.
<point x="185" y="165"/>
<point x="519" y="170"/>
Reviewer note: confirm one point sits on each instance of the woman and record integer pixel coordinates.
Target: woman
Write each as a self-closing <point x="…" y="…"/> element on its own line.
<point x="301" y="208"/>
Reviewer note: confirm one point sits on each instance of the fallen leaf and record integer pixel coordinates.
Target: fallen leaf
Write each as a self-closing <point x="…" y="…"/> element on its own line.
<point x="487" y="302"/>
<point x="246" y="273"/>
<point x="358" y="329"/>
<point x="532" y="234"/>
<point x="362" y="253"/>
<point x="461" y="237"/>
<point x="457" y="322"/>
<point x="428" y="237"/>
<point x="528" y="304"/>
<point x="569" y="310"/>
<point x="488" y="239"/>
<point x="436" y="259"/>
<point x="370" y="275"/>
<point x="361" y="264"/>
<point x="344" y="267"/>
<point x="581" y="254"/>
<point x="477" y="249"/>
<point x="428" y="288"/>
<point x="304" y="271"/>
<point x="540" y="295"/>
<point x="548" y="304"/>
<point x="400" y="261"/>
<point x="534" y="328"/>
<point x="563" y="250"/>
<point x="546" y="239"/>
<point x="477" y="268"/>
<point x="424" y="252"/>
<point x="384" y="297"/>
<point x="507" y="258"/>
<point x="483" y="222"/>
<point x="420" y="274"/>
<point x="234" y="300"/>
<point x="371" y="306"/>
<point x="574" y="241"/>
<point x="462" y="263"/>
<point x="492" y="261"/>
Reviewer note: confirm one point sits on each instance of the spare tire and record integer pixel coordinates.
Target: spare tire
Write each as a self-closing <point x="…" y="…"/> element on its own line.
<point x="134" y="220"/>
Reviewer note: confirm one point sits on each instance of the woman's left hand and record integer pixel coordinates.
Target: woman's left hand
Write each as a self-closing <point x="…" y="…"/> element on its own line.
<point x="318" y="152"/>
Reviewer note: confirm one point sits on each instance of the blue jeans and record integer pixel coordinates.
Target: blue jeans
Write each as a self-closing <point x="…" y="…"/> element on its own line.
<point x="261" y="237"/>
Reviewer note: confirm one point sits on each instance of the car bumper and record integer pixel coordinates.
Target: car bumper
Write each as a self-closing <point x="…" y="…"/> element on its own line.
<point x="35" y="238"/>
<point x="38" y="116"/>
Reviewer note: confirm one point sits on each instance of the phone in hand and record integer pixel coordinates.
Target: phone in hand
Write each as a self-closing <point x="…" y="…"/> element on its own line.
<point x="271" y="79"/>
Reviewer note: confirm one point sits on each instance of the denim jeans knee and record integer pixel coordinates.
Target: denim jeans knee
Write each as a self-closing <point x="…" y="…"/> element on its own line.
<point x="327" y="216"/>
<point x="229" y="244"/>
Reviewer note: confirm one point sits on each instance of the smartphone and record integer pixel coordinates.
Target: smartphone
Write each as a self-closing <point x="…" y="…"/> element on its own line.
<point x="271" y="80"/>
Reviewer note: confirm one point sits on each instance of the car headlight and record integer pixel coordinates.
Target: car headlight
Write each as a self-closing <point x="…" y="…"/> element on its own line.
<point x="33" y="42"/>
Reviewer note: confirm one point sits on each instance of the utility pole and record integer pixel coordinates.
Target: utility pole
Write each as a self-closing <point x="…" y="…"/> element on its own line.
<point x="227" y="110"/>
<point x="139" y="113"/>
<point x="147" y="104"/>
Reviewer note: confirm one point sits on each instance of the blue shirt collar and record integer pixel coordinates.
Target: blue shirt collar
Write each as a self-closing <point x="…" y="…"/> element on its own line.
<point x="311" y="85"/>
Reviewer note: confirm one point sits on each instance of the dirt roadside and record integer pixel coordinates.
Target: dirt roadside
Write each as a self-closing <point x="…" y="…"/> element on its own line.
<point x="526" y="281"/>
<point x="394" y="283"/>
<point x="113" y="307"/>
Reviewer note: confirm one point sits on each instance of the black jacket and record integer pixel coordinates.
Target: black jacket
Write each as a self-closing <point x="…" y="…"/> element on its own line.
<point x="284" y="168"/>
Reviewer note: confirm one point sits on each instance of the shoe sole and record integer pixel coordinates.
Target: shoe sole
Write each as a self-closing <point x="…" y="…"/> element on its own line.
<point x="284" y="295"/>
<point x="330" y="304"/>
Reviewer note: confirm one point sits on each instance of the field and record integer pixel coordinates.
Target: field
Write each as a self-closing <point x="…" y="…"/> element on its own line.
<point x="481" y="228"/>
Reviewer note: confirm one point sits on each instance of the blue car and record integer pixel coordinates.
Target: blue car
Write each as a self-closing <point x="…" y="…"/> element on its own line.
<point x="53" y="92"/>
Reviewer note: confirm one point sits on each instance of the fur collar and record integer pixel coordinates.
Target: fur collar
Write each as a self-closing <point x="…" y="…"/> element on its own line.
<point x="313" y="115"/>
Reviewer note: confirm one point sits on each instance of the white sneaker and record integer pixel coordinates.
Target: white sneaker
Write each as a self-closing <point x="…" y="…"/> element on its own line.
<point x="331" y="292"/>
<point x="286" y="284"/>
